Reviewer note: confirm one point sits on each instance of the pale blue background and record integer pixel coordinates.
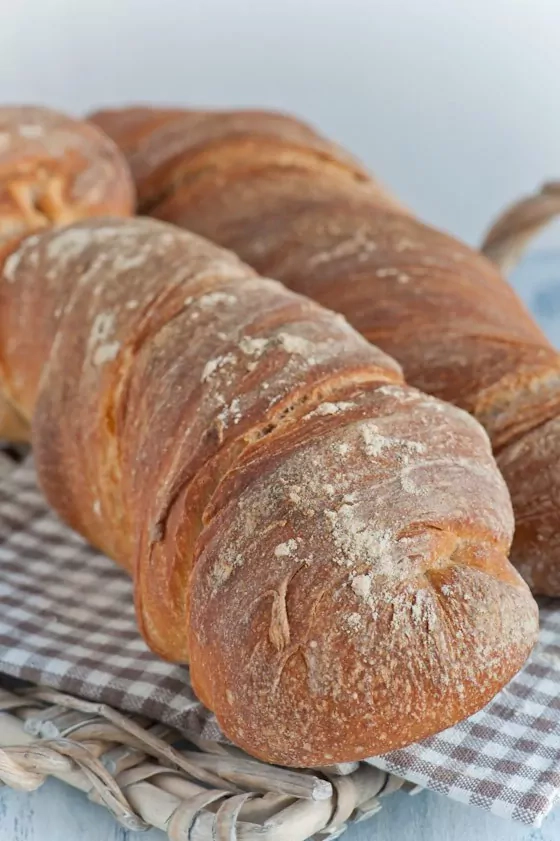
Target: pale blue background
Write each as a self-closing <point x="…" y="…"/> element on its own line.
<point x="57" y="813"/>
<point x="453" y="103"/>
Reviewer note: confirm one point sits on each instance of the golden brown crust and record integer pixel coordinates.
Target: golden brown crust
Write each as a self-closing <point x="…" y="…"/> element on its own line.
<point x="170" y="149"/>
<point x="327" y="546"/>
<point x="316" y="222"/>
<point x="326" y="619"/>
<point x="53" y="170"/>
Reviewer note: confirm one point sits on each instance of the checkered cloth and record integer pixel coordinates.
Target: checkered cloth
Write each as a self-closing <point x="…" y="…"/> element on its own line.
<point x="67" y="621"/>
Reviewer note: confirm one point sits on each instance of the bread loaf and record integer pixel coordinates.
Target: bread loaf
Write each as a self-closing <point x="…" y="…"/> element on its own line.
<point x="326" y="546"/>
<point x="53" y="170"/>
<point x="295" y="207"/>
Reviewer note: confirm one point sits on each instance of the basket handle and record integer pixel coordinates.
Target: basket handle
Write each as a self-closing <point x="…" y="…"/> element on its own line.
<point x="510" y="234"/>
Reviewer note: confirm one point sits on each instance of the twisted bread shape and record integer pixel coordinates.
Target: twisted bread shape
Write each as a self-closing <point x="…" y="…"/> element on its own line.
<point x="326" y="546"/>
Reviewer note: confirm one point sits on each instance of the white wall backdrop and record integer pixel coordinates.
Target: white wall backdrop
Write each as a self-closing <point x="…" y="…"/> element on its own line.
<point x="454" y="103"/>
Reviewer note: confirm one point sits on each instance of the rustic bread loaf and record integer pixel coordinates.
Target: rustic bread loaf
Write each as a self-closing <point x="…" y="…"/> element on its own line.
<point x="53" y="170"/>
<point x="295" y="207"/>
<point x="325" y="545"/>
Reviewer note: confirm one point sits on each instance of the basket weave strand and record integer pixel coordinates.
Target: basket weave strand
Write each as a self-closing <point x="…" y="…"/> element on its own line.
<point x="510" y="234"/>
<point x="146" y="775"/>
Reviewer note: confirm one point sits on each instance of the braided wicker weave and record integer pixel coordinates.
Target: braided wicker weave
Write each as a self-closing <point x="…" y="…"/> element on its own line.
<point x="147" y="777"/>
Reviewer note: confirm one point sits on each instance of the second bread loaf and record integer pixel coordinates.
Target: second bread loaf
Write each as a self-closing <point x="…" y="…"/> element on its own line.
<point x="297" y="207"/>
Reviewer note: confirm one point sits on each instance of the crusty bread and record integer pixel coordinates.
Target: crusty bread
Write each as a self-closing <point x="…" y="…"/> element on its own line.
<point x="325" y="545"/>
<point x="296" y="208"/>
<point x="53" y="170"/>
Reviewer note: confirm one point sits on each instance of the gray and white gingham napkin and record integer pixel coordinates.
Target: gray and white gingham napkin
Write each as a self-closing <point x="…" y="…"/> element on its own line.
<point x="67" y="621"/>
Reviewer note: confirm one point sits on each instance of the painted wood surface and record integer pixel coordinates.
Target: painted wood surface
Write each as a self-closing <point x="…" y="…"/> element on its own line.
<point x="58" y="813"/>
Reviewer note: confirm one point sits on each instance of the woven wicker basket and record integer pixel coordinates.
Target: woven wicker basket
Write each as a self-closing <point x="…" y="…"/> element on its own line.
<point x="148" y="776"/>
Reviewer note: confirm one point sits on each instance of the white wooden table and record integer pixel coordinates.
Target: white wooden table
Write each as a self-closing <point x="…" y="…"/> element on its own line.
<point x="57" y="813"/>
